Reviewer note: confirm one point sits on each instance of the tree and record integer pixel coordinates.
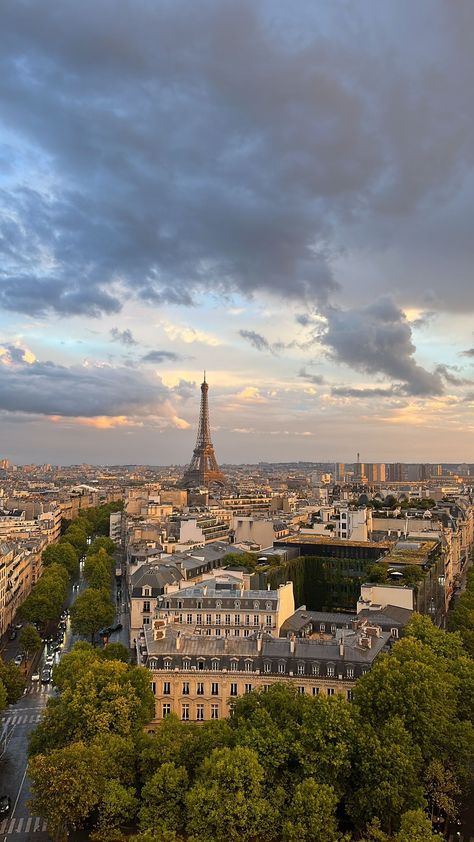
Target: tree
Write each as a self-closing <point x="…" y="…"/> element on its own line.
<point x="67" y="786"/>
<point x="102" y="543"/>
<point x="63" y="553"/>
<point x="30" y="641"/>
<point x="76" y="536"/>
<point x="117" y="806"/>
<point x="164" y="799"/>
<point x="13" y="682"/>
<point x="91" y="610"/>
<point x="416" y="827"/>
<point x="311" y="814"/>
<point x="227" y="804"/>
<point x="116" y="652"/>
<point x="3" y="696"/>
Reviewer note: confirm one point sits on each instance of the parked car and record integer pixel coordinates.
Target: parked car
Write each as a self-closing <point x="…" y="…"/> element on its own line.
<point x="35" y="676"/>
<point x="116" y="627"/>
<point x="18" y="626"/>
<point x="18" y="660"/>
<point x="105" y="631"/>
<point x="12" y="635"/>
<point x="5" y="805"/>
<point x="49" y="660"/>
<point x="46" y="676"/>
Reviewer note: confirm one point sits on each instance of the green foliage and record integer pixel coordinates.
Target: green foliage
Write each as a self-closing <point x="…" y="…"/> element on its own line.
<point x="13" y="681"/>
<point x="92" y="610"/>
<point x="164" y="799"/>
<point x="102" y="543"/>
<point x="3" y="696"/>
<point x="227" y="803"/>
<point x="63" y="553"/>
<point x="311" y="814"/>
<point x="416" y="827"/>
<point x="377" y="572"/>
<point x="45" y="601"/>
<point x="116" y="652"/>
<point x="30" y="641"/>
<point x="118" y="805"/>
<point x="76" y="536"/>
<point x="461" y="618"/>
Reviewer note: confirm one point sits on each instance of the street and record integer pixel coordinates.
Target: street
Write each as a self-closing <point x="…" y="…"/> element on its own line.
<point x="17" y="722"/>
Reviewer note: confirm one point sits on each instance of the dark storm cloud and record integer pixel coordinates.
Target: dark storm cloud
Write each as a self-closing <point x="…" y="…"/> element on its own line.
<point x="377" y="339"/>
<point x="125" y="337"/>
<point x="161" y="357"/>
<point x="44" y="388"/>
<point x="176" y="148"/>
<point x="376" y="392"/>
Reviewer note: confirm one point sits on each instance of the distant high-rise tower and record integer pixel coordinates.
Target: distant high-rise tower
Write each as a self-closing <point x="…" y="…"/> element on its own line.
<point x="203" y="469"/>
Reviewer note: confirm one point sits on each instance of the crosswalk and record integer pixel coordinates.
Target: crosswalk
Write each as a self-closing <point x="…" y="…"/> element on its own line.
<point x="21" y="719"/>
<point x="37" y="689"/>
<point x="30" y="824"/>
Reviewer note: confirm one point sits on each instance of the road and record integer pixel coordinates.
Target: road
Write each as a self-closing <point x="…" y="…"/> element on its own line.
<point x="18" y="721"/>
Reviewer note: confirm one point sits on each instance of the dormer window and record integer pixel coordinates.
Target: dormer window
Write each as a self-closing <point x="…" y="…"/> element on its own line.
<point x="256" y="606"/>
<point x="186" y="663"/>
<point x="268" y="606"/>
<point x="218" y="604"/>
<point x="237" y="603"/>
<point x="146" y="592"/>
<point x="167" y="663"/>
<point x="248" y="665"/>
<point x="214" y="664"/>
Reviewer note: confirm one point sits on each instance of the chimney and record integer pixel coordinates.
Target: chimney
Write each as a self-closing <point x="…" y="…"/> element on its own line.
<point x="341" y="646"/>
<point x="178" y="641"/>
<point x="259" y="643"/>
<point x="292" y="644"/>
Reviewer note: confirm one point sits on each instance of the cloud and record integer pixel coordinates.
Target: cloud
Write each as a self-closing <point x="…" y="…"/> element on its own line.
<point x="375" y="392"/>
<point x="161" y="357"/>
<point x="377" y="339"/>
<point x="468" y="353"/>
<point x="123" y="336"/>
<point x="189" y="334"/>
<point x="315" y="379"/>
<point x="256" y="340"/>
<point x="446" y="371"/>
<point x="180" y="149"/>
<point x="91" y="391"/>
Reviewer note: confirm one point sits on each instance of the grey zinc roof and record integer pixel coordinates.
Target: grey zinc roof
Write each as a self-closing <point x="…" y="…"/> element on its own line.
<point x="302" y="618"/>
<point x="155" y="576"/>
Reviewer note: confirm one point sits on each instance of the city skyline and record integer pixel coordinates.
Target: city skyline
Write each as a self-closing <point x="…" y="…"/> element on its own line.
<point x="281" y="199"/>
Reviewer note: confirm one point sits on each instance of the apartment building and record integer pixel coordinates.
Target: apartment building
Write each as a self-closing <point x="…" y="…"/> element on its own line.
<point x="197" y="678"/>
<point x="15" y="581"/>
<point x="218" y="610"/>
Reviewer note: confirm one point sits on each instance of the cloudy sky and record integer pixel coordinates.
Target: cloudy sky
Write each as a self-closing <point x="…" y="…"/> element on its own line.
<point x="279" y="193"/>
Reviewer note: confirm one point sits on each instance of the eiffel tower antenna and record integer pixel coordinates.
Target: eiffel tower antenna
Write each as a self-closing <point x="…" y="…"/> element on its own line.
<point x="203" y="468"/>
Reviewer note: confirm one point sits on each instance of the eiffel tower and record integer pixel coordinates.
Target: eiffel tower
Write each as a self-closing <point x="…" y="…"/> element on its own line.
<point x="203" y="468"/>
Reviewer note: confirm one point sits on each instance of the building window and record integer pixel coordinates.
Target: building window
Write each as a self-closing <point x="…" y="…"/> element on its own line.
<point x="185" y="688"/>
<point x="199" y="619"/>
<point x="236" y="632"/>
<point x="350" y="672"/>
<point x="189" y="619"/>
<point x="330" y="691"/>
<point x="146" y="621"/>
<point x="301" y="689"/>
<point x="214" y="664"/>
<point x="180" y="618"/>
<point x="237" y="619"/>
<point x="330" y="670"/>
<point x="218" y="604"/>
<point x="268" y="620"/>
<point x="153" y="687"/>
<point x="166" y="688"/>
<point x="394" y="633"/>
<point x="247" y="619"/>
<point x="199" y="604"/>
<point x="266" y="688"/>
<point x="227" y="619"/>
<point x="246" y="632"/>
<point x="214" y="688"/>
<point x="200" y="688"/>
<point x="208" y="619"/>
<point x="248" y="666"/>
<point x="234" y="665"/>
<point x="248" y="688"/>
<point x="256" y="606"/>
<point x="200" y="664"/>
<point x="300" y="669"/>
<point x="166" y="710"/>
<point x="146" y="592"/>
<point x="180" y="604"/>
<point x="315" y="691"/>
<point x="350" y="695"/>
<point x="268" y="606"/>
<point x="233" y="689"/>
<point x="281" y="667"/>
<point x="167" y="603"/>
<point x="333" y="629"/>
<point x="267" y="667"/>
<point x="200" y="713"/>
<point x="218" y="632"/>
<point x="315" y="669"/>
<point x="186" y="663"/>
<point x="146" y="607"/>
<point x="214" y="711"/>
<point x="185" y="713"/>
<point x="167" y="664"/>
<point x="322" y="627"/>
<point x="218" y="619"/>
<point x="256" y="620"/>
<point x="237" y="604"/>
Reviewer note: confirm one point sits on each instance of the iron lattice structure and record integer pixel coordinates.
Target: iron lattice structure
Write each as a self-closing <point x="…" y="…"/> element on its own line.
<point x="203" y="468"/>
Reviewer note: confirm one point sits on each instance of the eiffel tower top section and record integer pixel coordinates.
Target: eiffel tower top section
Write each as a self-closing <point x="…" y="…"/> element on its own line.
<point x="203" y="468"/>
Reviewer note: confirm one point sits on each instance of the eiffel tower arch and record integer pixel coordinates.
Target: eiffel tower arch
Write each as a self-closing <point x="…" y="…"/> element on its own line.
<point x="203" y="468"/>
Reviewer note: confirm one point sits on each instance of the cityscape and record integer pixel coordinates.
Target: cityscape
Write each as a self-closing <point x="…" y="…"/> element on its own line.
<point x="236" y="421"/>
